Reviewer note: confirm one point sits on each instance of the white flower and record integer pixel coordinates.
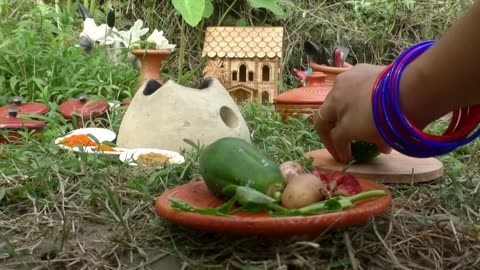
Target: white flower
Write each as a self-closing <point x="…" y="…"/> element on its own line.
<point x="133" y="35"/>
<point x="161" y="42"/>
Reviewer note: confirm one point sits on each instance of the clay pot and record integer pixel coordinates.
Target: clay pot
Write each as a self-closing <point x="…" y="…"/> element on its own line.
<point x="151" y="61"/>
<point x="23" y="108"/>
<point x="88" y="113"/>
<point x="306" y="99"/>
<point x="331" y="72"/>
<point x="11" y="124"/>
<point x="162" y="116"/>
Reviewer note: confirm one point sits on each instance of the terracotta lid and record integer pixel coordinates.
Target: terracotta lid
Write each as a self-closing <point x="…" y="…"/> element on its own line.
<point x="81" y="107"/>
<point x="314" y="92"/>
<point x="13" y="122"/>
<point x="24" y="108"/>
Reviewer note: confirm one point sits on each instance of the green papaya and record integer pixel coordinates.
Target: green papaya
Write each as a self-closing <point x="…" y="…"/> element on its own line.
<point x="234" y="161"/>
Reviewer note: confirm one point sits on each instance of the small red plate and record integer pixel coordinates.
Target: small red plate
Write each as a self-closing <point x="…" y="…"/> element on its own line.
<point x="197" y="194"/>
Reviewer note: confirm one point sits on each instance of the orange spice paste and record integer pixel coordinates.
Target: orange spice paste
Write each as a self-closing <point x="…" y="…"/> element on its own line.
<point x="74" y="140"/>
<point x="105" y="148"/>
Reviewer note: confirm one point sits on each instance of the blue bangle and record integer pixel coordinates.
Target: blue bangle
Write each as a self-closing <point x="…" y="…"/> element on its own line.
<point x="392" y="124"/>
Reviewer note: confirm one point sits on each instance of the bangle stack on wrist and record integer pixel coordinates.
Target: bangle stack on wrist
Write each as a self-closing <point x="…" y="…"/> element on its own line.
<point x="395" y="128"/>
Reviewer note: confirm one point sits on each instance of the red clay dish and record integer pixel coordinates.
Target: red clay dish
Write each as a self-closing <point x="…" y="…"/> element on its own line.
<point x="263" y="225"/>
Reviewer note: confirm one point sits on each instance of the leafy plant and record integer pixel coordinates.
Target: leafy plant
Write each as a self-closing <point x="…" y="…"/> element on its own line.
<point x="193" y="11"/>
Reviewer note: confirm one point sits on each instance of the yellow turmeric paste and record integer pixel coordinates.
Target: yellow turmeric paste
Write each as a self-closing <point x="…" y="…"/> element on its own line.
<point x="74" y="140"/>
<point x="105" y="148"/>
<point x="152" y="159"/>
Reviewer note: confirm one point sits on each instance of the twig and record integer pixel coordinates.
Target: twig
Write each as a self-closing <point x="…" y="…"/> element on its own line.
<point x="389" y="251"/>
<point x="350" y="250"/>
<point x="155" y="259"/>
<point x="456" y="235"/>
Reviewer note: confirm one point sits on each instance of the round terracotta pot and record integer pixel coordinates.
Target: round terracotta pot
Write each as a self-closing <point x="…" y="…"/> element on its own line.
<point x="11" y="125"/>
<point x="89" y="114"/>
<point x="23" y="108"/>
<point x="331" y="72"/>
<point x="306" y="99"/>
<point x="151" y="61"/>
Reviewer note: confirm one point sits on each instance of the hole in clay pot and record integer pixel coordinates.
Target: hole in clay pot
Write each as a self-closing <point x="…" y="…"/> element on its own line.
<point x="206" y="83"/>
<point x="229" y="117"/>
<point x="151" y="87"/>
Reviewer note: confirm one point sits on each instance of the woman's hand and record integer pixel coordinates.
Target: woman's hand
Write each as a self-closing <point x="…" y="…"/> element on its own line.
<point x="347" y="115"/>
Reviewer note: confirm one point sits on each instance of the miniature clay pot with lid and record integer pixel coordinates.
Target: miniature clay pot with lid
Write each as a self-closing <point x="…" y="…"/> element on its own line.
<point x="24" y="108"/>
<point x="151" y="61"/>
<point x="82" y="108"/>
<point x="306" y="99"/>
<point x="330" y="71"/>
<point x="12" y="124"/>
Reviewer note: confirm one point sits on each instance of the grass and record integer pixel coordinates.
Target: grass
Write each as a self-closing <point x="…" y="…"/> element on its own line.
<point x="62" y="210"/>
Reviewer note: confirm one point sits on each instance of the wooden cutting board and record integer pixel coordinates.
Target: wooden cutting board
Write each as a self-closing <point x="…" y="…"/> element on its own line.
<point x="391" y="168"/>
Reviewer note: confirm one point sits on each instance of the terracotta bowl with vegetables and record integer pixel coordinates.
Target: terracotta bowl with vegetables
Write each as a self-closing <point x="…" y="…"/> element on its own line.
<point x="244" y="192"/>
<point x="262" y="224"/>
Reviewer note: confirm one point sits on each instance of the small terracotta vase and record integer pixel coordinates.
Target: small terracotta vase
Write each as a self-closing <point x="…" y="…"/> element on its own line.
<point x="331" y="72"/>
<point x="306" y="99"/>
<point x="151" y="61"/>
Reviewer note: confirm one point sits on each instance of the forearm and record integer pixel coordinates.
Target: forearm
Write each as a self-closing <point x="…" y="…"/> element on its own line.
<point x="446" y="77"/>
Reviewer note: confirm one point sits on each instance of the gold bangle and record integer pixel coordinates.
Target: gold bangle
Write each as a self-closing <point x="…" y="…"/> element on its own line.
<point x="320" y="114"/>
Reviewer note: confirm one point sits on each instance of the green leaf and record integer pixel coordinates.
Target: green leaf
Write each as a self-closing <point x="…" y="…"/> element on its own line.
<point x="251" y="208"/>
<point x="225" y="208"/>
<point x="270" y="5"/>
<point x="213" y="211"/>
<point x="241" y="22"/>
<point x="191" y="10"/>
<point x="251" y="196"/>
<point x="208" y="11"/>
<point x="13" y="82"/>
<point x="192" y="144"/>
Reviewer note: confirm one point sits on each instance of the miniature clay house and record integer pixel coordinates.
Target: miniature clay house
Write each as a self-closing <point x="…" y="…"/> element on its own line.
<point x="246" y="60"/>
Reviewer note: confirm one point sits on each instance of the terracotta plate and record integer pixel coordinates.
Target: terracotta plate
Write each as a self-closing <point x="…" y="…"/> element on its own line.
<point x="197" y="194"/>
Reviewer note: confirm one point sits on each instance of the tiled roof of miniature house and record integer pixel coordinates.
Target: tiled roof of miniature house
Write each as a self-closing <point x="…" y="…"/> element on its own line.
<point x="243" y="42"/>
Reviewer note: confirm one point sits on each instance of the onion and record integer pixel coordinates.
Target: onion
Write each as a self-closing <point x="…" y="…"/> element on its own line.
<point x="291" y="169"/>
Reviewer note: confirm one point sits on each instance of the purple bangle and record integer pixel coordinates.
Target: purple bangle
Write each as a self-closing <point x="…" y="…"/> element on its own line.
<point x="390" y="121"/>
